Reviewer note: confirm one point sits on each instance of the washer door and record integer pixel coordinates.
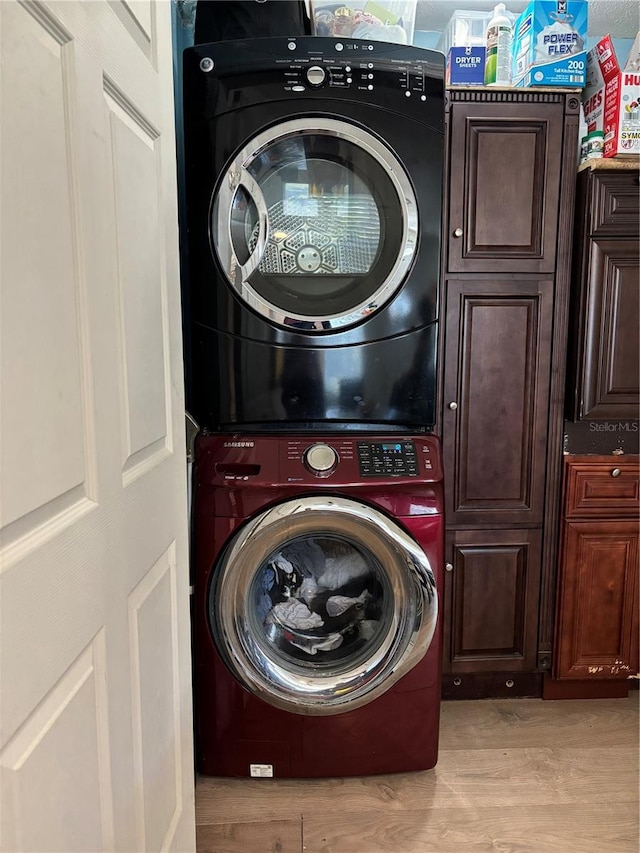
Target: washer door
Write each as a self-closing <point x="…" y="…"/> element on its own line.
<point x="320" y="604"/>
<point x="315" y="224"/>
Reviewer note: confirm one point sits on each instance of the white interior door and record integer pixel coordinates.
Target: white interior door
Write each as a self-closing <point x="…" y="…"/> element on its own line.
<point x="95" y="714"/>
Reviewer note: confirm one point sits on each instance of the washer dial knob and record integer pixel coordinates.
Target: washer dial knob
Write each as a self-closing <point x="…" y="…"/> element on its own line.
<point x="316" y="76"/>
<point x="321" y="459"/>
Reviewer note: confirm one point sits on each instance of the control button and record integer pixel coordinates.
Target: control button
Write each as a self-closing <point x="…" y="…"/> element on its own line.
<point x="291" y="45"/>
<point x="321" y="459"/>
<point x="349" y="79"/>
<point x="316" y="75"/>
<point x="407" y="94"/>
<point x="347" y="68"/>
<point x="369" y="86"/>
<point x="423" y="97"/>
<point x="297" y="89"/>
<point x="339" y="46"/>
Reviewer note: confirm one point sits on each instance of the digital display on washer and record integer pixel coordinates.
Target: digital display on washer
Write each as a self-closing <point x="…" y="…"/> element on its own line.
<point x="387" y="459"/>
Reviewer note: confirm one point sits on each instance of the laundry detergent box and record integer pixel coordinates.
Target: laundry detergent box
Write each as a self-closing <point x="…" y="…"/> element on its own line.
<point x="465" y="66"/>
<point x="549" y="41"/>
<point x="611" y="98"/>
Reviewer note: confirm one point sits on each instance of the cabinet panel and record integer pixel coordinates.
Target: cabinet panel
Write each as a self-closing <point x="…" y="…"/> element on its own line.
<point x="491" y="601"/>
<point x="598" y="599"/>
<point x="615" y="210"/>
<point x="611" y="374"/>
<point x="504" y="187"/>
<point x="603" y="377"/>
<point x="497" y="355"/>
<point x="609" y="488"/>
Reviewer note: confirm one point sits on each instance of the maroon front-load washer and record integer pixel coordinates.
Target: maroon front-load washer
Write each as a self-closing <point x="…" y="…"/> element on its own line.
<point x="317" y="566"/>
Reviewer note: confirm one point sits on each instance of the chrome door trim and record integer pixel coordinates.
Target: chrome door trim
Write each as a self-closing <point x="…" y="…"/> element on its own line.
<point x="221" y="219"/>
<point x="236" y="272"/>
<point x="407" y="639"/>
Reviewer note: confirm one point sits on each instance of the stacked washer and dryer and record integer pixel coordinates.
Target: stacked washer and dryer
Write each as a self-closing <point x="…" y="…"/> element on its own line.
<point x="314" y="186"/>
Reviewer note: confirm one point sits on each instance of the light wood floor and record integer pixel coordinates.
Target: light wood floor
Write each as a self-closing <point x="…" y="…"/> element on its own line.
<point x="514" y="776"/>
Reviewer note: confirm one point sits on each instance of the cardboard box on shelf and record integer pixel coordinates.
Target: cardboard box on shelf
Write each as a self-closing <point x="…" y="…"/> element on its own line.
<point x="548" y="44"/>
<point x="611" y="98"/>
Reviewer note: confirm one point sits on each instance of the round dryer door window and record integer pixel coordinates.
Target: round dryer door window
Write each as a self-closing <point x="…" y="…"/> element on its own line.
<point x="315" y="224"/>
<point x="320" y="604"/>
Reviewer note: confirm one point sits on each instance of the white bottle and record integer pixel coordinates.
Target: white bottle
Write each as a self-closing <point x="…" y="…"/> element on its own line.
<point x="497" y="70"/>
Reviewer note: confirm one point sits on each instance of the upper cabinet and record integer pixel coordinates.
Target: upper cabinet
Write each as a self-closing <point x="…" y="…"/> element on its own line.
<point x="603" y="377"/>
<point x="504" y="187"/>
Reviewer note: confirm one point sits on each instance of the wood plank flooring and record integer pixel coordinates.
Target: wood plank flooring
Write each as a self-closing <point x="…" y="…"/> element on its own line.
<point x="513" y="776"/>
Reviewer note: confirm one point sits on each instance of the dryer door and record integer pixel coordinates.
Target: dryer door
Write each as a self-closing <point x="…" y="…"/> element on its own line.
<point x="315" y="224"/>
<point x="320" y="604"/>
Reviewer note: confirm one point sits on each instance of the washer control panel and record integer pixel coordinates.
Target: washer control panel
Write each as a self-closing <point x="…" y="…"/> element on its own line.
<point x="318" y="461"/>
<point x="357" y="459"/>
<point x="321" y="459"/>
<point x="387" y="458"/>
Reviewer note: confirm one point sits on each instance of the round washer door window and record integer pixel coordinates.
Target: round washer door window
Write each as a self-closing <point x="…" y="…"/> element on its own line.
<point x="315" y="224"/>
<point x="319" y="605"/>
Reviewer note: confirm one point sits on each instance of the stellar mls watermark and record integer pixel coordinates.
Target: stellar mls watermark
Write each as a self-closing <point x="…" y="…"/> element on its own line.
<point x="614" y="426"/>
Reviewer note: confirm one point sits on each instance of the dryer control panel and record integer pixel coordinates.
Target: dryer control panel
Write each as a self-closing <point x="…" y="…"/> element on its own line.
<point x="321" y="72"/>
<point x="315" y="69"/>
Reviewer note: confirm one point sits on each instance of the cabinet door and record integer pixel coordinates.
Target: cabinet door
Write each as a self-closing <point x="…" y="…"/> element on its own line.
<point x="491" y="601"/>
<point x="496" y="385"/>
<point x="611" y="357"/>
<point x="504" y="187"/>
<point x="597" y="606"/>
<point x="615" y="204"/>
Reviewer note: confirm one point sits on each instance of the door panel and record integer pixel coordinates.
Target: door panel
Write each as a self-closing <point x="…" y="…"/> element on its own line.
<point x="320" y="604"/>
<point x="615" y="210"/>
<point x="315" y="224"/>
<point x="95" y="714"/>
<point x="611" y="373"/>
<point x="496" y="385"/>
<point x="598" y="600"/>
<point x="504" y="187"/>
<point x="491" y="601"/>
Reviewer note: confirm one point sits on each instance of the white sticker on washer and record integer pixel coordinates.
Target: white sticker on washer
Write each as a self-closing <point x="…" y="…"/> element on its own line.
<point x="262" y="770"/>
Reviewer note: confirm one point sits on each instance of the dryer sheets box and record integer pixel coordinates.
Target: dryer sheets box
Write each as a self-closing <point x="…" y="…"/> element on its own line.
<point x="611" y="99"/>
<point x="548" y="44"/>
<point x="465" y="66"/>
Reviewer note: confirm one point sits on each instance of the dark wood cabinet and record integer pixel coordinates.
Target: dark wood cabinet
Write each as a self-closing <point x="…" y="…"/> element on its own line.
<point x="492" y="586"/>
<point x="608" y="202"/>
<point x="496" y="393"/>
<point x="505" y="287"/>
<point x="603" y="379"/>
<point x="505" y="186"/>
<point x="597" y="617"/>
